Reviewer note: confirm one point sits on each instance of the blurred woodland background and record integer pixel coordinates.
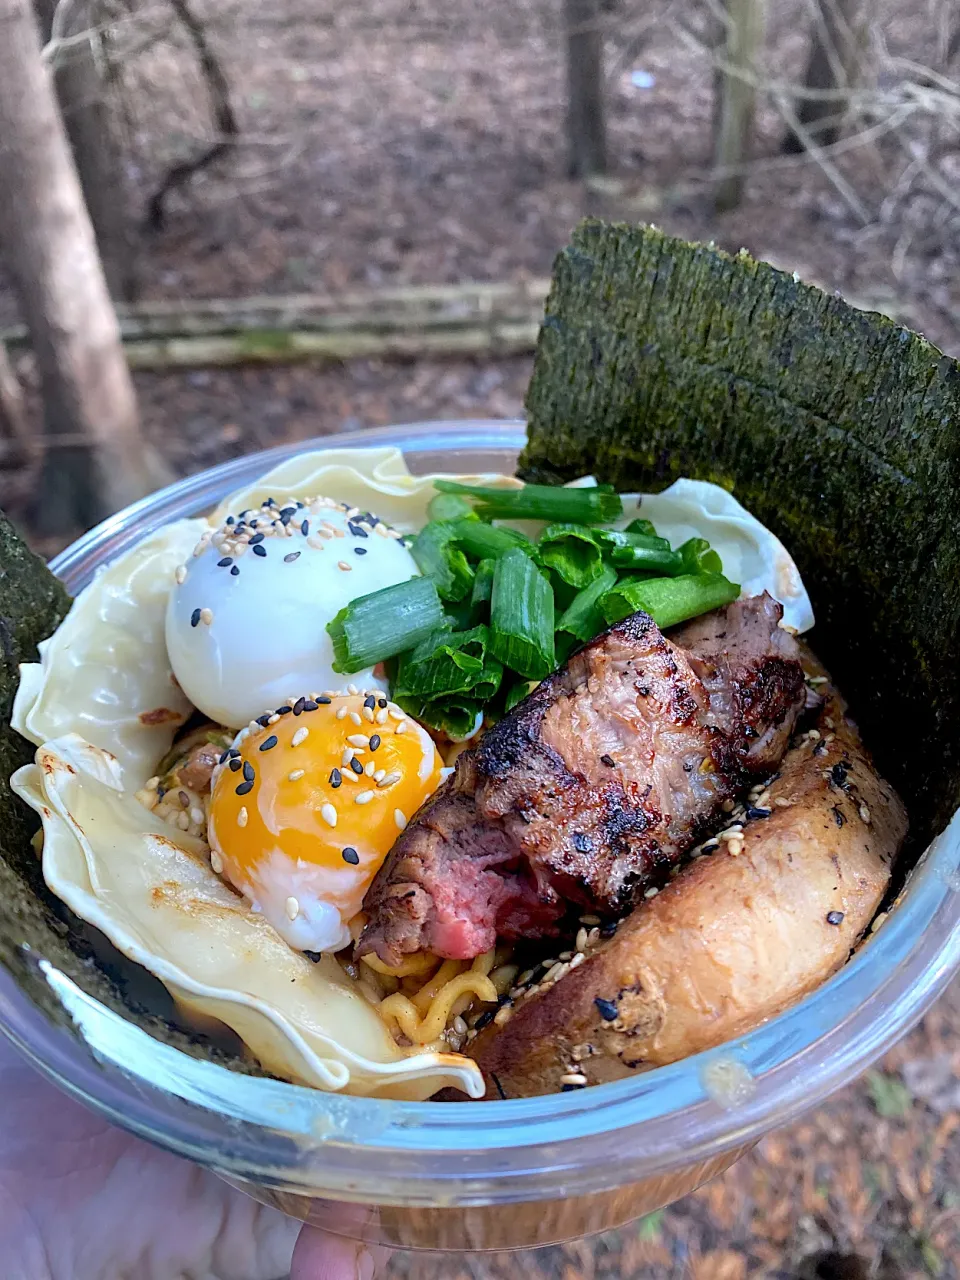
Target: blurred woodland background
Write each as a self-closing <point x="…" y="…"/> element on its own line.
<point x="307" y="217"/>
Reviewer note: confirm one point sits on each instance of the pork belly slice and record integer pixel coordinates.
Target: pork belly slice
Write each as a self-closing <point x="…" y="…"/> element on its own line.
<point x="593" y="786"/>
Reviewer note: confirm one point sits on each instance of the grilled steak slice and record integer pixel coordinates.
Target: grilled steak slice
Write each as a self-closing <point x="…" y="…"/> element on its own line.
<point x="598" y="781"/>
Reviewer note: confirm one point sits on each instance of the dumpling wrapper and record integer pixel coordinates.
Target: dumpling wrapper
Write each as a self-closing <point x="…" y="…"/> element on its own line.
<point x="156" y="899"/>
<point x="104" y="681"/>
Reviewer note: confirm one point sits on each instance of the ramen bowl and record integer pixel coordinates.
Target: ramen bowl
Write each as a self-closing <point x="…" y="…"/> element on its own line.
<point x="469" y="1176"/>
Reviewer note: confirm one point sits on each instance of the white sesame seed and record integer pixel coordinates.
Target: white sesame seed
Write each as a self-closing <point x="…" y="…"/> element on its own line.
<point x="363" y="797"/>
<point x="590" y="920"/>
<point x="353" y="513"/>
<point x="503" y="1016"/>
<point x="197" y="816"/>
<point x="380" y="528"/>
<point x="355" y="718"/>
<point x="648" y="894"/>
<point x="735" y="848"/>
<point x="379" y="776"/>
<point x="341" y="713"/>
<point x="358" y="740"/>
<point x="459" y="1026"/>
<point x="370" y="768"/>
<point x="394" y="711"/>
<point x="368" y="714"/>
<point x="181" y="574"/>
<point x="581" y="942"/>
<point x="329" y="814"/>
<point x="577" y="959"/>
<point x="216" y="862"/>
<point x="342" y="564"/>
<point x="299" y="736"/>
<point x="400" y="818"/>
<point x="242" y="817"/>
<point x="183" y="821"/>
<point x="381" y="716"/>
<point x="573" y="1077"/>
<point x="390" y="778"/>
<point x="348" y="776"/>
<point x="346" y="757"/>
<point x="273" y="719"/>
<point x="401" y="727"/>
<point x="292" y="908"/>
<point x="865" y="814"/>
<point x="296" y="775"/>
<point x="352" y="688"/>
<point x="206" y="616"/>
<point x="315" y="542"/>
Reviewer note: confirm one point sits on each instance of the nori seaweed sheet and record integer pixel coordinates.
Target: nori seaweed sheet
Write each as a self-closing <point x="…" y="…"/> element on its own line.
<point x="33" y="923"/>
<point x="837" y="428"/>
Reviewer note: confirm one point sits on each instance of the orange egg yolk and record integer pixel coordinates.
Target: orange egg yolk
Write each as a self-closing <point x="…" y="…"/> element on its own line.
<point x="326" y="792"/>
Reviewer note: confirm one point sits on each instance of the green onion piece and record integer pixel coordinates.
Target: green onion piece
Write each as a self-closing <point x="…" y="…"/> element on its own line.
<point x="376" y="627"/>
<point x="448" y="506"/>
<point x="641" y="526"/>
<point x="647" y="559"/>
<point x="482" y="589"/>
<point x="669" y="600"/>
<point x="572" y="552"/>
<point x="482" y="541"/>
<point x="516" y="693"/>
<point x="614" y="538"/>
<point x="448" y="663"/>
<point x="699" y="557"/>
<point x="438" y="557"/>
<point x="595" y="505"/>
<point x="456" y="717"/>
<point x="521" y="617"/>
<point x="584" y="619"/>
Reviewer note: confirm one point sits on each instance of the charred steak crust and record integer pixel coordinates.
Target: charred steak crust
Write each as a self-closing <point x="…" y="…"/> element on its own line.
<point x="592" y="786"/>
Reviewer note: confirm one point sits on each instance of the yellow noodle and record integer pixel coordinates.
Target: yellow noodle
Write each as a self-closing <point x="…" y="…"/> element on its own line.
<point x="405" y="1013"/>
<point x="483" y="964"/>
<point x="421" y="962"/>
<point x="448" y="970"/>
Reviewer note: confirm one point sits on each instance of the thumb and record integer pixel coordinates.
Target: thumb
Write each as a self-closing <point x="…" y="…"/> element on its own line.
<point x="318" y="1255"/>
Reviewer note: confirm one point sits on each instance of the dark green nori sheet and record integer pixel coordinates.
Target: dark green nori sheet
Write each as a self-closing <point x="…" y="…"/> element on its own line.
<point x="33" y="923"/>
<point x="835" y="427"/>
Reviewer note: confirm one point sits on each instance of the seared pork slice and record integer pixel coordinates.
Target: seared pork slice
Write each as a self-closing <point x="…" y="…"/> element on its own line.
<point x="592" y="787"/>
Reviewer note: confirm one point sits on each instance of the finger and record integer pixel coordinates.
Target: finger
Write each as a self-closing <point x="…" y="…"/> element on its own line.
<point x="319" y="1256"/>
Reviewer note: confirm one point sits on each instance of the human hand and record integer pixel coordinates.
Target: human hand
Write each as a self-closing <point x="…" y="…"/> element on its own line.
<point x="82" y="1200"/>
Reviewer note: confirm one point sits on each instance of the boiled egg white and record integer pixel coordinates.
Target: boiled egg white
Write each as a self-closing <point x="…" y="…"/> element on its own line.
<point x="306" y="807"/>
<point x="246" y="620"/>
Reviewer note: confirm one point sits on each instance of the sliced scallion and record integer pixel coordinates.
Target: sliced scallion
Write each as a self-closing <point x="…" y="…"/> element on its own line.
<point x="669" y="601"/>
<point x="448" y="506"/>
<point x="572" y="552"/>
<point x="522" y="616"/>
<point x="699" y="557"/>
<point x="457" y="717"/>
<point x="481" y="541"/>
<point x="378" y="626"/>
<point x="583" y="619"/>
<point x="595" y="505"/>
<point x="446" y="663"/>
<point x="641" y="526"/>
<point x="439" y="557"/>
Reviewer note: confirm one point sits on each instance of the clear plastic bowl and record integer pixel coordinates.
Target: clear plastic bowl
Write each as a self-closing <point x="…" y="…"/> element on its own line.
<point x="498" y="1174"/>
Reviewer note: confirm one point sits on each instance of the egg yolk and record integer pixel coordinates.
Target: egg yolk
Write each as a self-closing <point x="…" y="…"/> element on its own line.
<point x="306" y="808"/>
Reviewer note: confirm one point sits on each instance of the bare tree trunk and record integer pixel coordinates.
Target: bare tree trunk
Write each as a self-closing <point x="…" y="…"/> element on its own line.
<point x="81" y="92"/>
<point x="586" y="121"/>
<point x="51" y="254"/>
<point x="734" y="120"/>
<point x="832" y="68"/>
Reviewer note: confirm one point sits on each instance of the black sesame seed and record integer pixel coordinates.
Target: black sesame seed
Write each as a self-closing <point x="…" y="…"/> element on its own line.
<point x="834" y="917"/>
<point x="356" y="766"/>
<point x="289" y="559"/>
<point x="484" y="1020"/>
<point x="230" y="520"/>
<point x="753" y="812"/>
<point x="381" y="703"/>
<point x="324" y="701"/>
<point x="350" y="855"/>
<point x="608" y="929"/>
<point x="310" y="705"/>
<point x="224" y="758"/>
<point x="359" y="551"/>
<point x="284" y="710"/>
<point x="235" y="571"/>
<point x="235" y="765"/>
<point x="257" y="539"/>
<point x="262" y="720"/>
<point x="248" y="771"/>
<point x="374" y="741"/>
<point x="608" y="761"/>
<point x="225" y="563"/>
<point x="269" y="744"/>
<point x="335" y="777"/>
<point x="244" y="788"/>
<point x="285" y="517"/>
<point x="370" y="701"/>
<point x="571" y="1088"/>
<point x="269" y="502"/>
<point x="298" y="706"/>
<point x="287" y="511"/>
<point x="195" y="618"/>
<point x="259" y="551"/>
<point x="607" y="1009"/>
<point x="305" y="527"/>
<point x="234" y="751"/>
<point x="582" y="843"/>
